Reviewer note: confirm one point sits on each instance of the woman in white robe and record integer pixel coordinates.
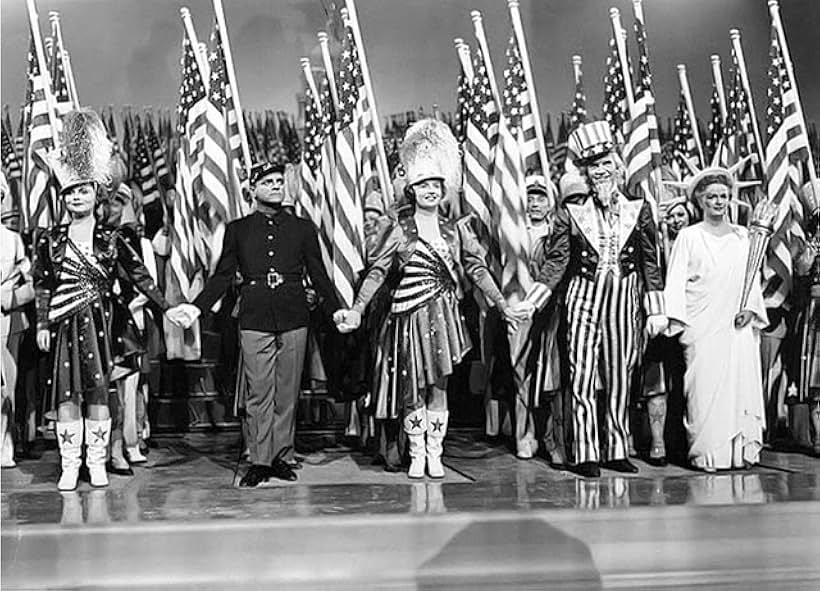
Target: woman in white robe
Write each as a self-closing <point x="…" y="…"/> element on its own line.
<point x="724" y="418"/>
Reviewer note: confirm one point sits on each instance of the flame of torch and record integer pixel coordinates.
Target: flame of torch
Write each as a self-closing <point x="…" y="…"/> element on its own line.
<point x="760" y="231"/>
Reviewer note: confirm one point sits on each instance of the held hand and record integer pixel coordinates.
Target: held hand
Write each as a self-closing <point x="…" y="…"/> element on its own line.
<point x="312" y="298"/>
<point x="339" y="316"/>
<point x="183" y="315"/>
<point x="656" y="324"/>
<point x="743" y="318"/>
<point x="44" y="339"/>
<point x="352" y="321"/>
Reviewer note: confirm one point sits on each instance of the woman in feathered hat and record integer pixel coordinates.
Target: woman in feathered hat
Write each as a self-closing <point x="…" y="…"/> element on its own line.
<point x="704" y="287"/>
<point x="425" y="259"/>
<point x="86" y="327"/>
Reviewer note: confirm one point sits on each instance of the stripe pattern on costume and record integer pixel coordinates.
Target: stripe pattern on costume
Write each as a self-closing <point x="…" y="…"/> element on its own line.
<point x="604" y="326"/>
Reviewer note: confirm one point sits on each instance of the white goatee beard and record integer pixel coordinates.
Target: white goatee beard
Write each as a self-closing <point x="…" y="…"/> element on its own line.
<point x="605" y="190"/>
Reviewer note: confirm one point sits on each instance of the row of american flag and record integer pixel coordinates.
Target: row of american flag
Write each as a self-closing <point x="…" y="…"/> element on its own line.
<point x="195" y="161"/>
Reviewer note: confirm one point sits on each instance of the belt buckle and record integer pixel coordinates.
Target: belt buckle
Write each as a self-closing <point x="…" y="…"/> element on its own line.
<point x="274" y="279"/>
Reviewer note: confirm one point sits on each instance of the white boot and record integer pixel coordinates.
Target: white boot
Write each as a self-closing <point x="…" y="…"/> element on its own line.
<point x="70" y="440"/>
<point x="134" y="455"/>
<point x="97" y="434"/>
<point x="415" y="424"/>
<point x="436" y="430"/>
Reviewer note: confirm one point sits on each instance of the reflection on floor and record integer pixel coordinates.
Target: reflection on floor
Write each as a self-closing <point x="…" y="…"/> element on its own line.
<point x="493" y="518"/>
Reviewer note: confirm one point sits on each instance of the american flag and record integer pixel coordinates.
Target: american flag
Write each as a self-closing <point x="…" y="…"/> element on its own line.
<point x="787" y="149"/>
<point x="188" y="256"/>
<point x="462" y="106"/>
<point x="578" y="113"/>
<point x="643" y="148"/>
<point x="738" y="136"/>
<point x="328" y="171"/>
<point x="216" y="205"/>
<point x="615" y="106"/>
<point x="311" y="164"/>
<point x="59" y="79"/>
<point x="352" y="170"/>
<point x="157" y="152"/>
<point x="479" y="145"/>
<point x="40" y="203"/>
<point x="508" y="188"/>
<point x="686" y="150"/>
<point x="11" y="169"/>
<point x="145" y="181"/>
<point x="716" y="125"/>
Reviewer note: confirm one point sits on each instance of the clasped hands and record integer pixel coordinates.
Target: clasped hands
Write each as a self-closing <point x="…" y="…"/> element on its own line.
<point x="183" y="315"/>
<point x="349" y="320"/>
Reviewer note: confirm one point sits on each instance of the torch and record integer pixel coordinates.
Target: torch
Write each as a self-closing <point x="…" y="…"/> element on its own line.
<point x="760" y="231"/>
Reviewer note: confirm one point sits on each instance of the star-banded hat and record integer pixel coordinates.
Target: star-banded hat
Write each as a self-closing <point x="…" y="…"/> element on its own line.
<point x="590" y="142"/>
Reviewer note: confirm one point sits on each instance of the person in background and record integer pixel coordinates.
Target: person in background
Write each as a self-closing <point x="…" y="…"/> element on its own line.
<point x="16" y="289"/>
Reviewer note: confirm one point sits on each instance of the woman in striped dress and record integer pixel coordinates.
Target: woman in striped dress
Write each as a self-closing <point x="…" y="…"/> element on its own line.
<point x="425" y="259"/>
<point x="87" y="328"/>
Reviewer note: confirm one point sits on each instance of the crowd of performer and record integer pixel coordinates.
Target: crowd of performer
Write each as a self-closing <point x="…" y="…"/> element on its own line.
<point x="630" y="304"/>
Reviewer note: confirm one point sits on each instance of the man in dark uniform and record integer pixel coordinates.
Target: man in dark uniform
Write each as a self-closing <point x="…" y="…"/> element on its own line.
<point x="271" y="249"/>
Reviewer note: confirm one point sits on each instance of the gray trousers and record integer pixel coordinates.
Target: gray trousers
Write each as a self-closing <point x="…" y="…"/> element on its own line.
<point x="273" y="364"/>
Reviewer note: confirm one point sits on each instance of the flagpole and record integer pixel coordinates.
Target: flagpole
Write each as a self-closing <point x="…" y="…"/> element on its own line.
<point x="38" y="48"/>
<point x="717" y="80"/>
<point x="384" y="169"/>
<point x="231" y="71"/>
<point x="734" y="35"/>
<point x="518" y="28"/>
<point x="308" y="72"/>
<point x="478" y="25"/>
<point x="619" y="34"/>
<point x="463" y="52"/>
<point x="690" y="107"/>
<point x="328" y="62"/>
<point x="57" y="33"/>
<point x="577" y="72"/>
<point x="189" y="30"/>
<point x="774" y="11"/>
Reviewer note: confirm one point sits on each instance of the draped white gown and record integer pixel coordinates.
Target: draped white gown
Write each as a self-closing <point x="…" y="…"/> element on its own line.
<point x="724" y="392"/>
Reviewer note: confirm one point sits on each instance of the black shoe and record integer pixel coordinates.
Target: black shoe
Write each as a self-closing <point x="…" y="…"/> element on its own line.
<point x="587" y="469"/>
<point x="393" y="468"/>
<point x="659" y="462"/>
<point x="624" y="466"/>
<point x="282" y="471"/>
<point x="255" y="475"/>
<point x="112" y="469"/>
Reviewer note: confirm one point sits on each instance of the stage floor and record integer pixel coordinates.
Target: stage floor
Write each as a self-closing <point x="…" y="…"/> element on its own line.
<point x="493" y="522"/>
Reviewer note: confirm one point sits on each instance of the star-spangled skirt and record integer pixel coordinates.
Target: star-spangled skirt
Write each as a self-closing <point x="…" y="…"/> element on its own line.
<point x="416" y="350"/>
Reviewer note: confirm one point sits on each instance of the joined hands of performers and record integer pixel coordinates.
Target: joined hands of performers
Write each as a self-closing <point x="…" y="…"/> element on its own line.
<point x="349" y="320"/>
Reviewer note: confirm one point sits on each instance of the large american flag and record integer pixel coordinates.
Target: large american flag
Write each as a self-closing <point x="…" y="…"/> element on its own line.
<point x="480" y="140"/>
<point x="59" y="80"/>
<point x="786" y="151"/>
<point x="462" y="115"/>
<point x="615" y="106"/>
<point x="508" y="188"/>
<point x="353" y="170"/>
<point x="643" y="148"/>
<point x="738" y="136"/>
<point x="328" y="170"/>
<point x="686" y="150"/>
<point x="188" y="256"/>
<point x="40" y="202"/>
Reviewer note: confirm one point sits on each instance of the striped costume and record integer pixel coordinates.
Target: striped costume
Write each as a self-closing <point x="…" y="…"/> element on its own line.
<point x="610" y="265"/>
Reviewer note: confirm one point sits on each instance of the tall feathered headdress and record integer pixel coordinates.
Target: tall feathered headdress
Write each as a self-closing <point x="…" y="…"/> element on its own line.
<point x="84" y="153"/>
<point x="430" y="151"/>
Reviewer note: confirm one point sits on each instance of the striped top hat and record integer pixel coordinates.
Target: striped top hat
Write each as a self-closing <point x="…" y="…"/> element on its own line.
<point x="590" y="141"/>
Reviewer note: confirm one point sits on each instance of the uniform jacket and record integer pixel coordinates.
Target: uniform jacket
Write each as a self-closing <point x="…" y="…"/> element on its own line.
<point x="115" y="255"/>
<point x="396" y="242"/>
<point x="573" y="249"/>
<point x="261" y="243"/>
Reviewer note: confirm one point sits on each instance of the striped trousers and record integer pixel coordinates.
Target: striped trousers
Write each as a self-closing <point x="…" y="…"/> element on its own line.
<point x="604" y="332"/>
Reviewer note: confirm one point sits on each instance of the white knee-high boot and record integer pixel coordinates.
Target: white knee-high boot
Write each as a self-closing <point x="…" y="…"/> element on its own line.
<point x="436" y="430"/>
<point x="70" y="440"/>
<point x="415" y="424"/>
<point x="97" y="435"/>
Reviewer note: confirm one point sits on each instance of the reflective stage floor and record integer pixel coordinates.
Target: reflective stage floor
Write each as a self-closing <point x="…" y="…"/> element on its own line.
<point x="493" y="522"/>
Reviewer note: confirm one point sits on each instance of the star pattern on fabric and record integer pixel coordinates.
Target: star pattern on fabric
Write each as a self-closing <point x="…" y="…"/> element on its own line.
<point x="68" y="438"/>
<point x="437" y="425"/>
<point x="99" y="434"/>
<point x="415" y="422"/>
